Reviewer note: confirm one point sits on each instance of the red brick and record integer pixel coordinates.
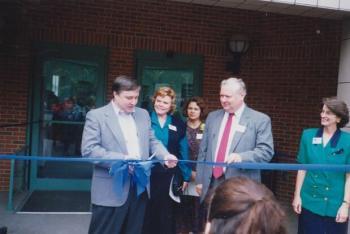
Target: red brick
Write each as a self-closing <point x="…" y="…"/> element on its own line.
<point x="288" y="68"/>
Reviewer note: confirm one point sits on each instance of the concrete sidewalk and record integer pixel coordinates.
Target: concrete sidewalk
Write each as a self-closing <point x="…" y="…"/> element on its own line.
<point x="42" y="223"/>
<point x="64" y="223"/>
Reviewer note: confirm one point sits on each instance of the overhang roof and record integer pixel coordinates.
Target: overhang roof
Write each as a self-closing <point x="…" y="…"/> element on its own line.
<point x="329" y="9"/>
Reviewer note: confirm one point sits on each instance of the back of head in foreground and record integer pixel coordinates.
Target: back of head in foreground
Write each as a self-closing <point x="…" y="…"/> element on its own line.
<point x="242" y="206"/>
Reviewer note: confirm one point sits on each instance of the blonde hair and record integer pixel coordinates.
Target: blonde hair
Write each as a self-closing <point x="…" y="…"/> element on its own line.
<point x="163" y="92"/>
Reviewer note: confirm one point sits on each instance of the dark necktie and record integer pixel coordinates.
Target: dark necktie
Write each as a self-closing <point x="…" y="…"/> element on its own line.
<point x="219" y="170"/>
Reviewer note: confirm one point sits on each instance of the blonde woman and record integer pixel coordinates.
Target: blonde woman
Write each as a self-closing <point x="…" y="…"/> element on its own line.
<point x="171" y="131"/>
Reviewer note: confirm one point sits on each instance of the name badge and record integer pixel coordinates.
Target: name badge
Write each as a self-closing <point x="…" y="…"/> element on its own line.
<point x="172" y="127"/>
<point x="199" y="136"/>
<point x="317" y="140"/>
<point x="240" y="128"/>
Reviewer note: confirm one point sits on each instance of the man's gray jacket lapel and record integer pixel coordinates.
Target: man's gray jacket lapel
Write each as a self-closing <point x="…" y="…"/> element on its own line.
<point x="103" y="138"/>
<point x="254" y="144"/>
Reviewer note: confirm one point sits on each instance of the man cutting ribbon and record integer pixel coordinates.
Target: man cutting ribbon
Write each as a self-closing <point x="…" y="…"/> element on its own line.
<point x="120" y="131"/>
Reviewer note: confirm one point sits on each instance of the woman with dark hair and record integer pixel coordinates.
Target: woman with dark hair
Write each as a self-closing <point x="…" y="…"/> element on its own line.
<point x="171" y="131"/>
<point x="191" y="216"/>
<point x="196" y="111"/>
<point x="242" y="206"/>
<point x="322" y="198"/>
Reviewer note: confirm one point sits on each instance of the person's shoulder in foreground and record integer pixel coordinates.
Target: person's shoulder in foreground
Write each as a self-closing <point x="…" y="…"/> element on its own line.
<point x="242" y="206"/>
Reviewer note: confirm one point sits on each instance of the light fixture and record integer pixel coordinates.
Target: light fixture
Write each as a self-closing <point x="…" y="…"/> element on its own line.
<point x="238" y="44"/>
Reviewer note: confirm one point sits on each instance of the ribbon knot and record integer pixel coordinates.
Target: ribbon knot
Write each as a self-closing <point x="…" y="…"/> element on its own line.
<point x="138" y="171"/>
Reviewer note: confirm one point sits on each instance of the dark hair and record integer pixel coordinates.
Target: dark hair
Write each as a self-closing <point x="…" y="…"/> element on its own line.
<point x="242" y="206"/>
<point x="124" y="83"/>
<point x="200" y="102"/>
<point x="339" y="108"/>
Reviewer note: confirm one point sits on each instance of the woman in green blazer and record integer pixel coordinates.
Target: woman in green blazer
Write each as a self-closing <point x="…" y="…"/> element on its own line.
<point x="322" y="198"/>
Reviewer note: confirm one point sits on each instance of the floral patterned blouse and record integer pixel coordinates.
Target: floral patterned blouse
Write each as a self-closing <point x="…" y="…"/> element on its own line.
<point x="194" y="136"/>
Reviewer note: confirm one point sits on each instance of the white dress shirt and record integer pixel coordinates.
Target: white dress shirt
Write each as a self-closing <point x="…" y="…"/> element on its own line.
<point x="235" y="123"/>
<point x="129" y="130"/>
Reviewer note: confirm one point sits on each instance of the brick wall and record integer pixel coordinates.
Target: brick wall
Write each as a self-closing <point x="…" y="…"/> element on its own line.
<point x="288" y="69"/>
<point x="14" y="74"/>
<point x="13" y="111"/>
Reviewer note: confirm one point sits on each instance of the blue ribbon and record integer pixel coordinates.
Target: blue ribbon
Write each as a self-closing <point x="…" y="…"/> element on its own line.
<point x="139" y="171"/>
<point x="247" y="166"/>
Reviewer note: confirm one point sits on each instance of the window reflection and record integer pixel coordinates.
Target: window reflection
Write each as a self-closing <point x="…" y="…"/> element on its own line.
<point x="70" y="92"/>
<point x="179" y="80"/>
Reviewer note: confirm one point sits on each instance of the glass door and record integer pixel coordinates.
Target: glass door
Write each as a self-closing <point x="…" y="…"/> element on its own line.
<point x="183" y="73"/>
<point x="69" y="87"/>
<point x="181" y="81"/>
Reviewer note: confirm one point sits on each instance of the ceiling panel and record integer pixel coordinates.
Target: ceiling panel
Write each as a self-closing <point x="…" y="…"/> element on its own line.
<point x="253" y="1"/>
<point x="232" y="1"/>
<point x="284" y="1"/>
<point x="333" y="4"/>
<point x="306" y="2"/>
<point x="327" y="8"/>
<point x="344" y="5"/>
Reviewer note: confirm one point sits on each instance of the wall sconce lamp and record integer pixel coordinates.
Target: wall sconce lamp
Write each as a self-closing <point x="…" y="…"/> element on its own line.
<point x="238" y="44"/>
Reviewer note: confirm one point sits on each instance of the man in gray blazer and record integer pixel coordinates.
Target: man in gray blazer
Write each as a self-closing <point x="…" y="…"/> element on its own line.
<point x="119" y="131"/>
<point x="249" y="138"/>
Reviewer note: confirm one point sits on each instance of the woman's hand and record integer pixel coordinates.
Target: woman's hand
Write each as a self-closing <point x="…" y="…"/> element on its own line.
<point x="297" y="199"/>
<point x="184" y="185"/>
<point x="343" y="213"/>
<point x="199" y="188"/>
<point x="170" y="161"/>
<point x="193" y="175"/>
<point x="297" y="204"/>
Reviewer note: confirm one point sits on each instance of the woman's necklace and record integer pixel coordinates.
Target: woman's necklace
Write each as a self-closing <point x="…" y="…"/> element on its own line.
<point x="194" y="124"/>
